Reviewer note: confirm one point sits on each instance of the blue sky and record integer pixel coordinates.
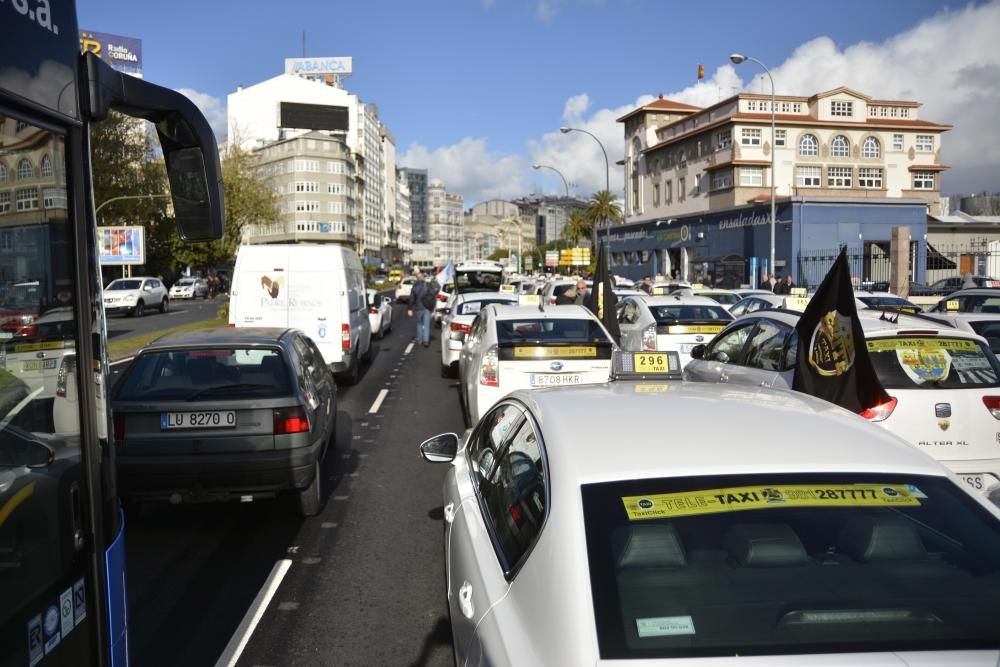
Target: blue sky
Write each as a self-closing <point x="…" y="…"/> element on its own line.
<point x="473" y="89"/>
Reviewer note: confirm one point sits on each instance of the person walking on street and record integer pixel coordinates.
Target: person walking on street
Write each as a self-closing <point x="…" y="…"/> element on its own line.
<point x="646" y="285"/>
<point x="765" y="283"/>
<point x="417" y="307"/>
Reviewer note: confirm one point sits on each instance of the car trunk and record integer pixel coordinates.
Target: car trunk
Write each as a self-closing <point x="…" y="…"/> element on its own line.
<point x="553" y="364"/>
<point x="682" y="336"/>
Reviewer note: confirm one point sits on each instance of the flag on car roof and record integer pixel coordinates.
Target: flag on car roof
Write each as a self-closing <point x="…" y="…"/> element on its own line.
<point x="602" y="299"/>
<point x="446" y="275"/>
<point x="832" y="359"/>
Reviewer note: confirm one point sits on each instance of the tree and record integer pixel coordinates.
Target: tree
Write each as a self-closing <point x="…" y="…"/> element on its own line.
<point x="247" y="199"/>
<point x="578" y="227"/>
<point x="498" y="254"/>
<point x="603" y="206"/>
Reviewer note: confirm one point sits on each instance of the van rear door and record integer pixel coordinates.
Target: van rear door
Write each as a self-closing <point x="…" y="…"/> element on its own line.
<point x="316" y="298"/>
<point x="260" y="287"/>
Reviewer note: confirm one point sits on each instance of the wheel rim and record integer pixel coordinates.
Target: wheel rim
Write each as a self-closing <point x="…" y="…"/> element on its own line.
<point x="139" y="308"/>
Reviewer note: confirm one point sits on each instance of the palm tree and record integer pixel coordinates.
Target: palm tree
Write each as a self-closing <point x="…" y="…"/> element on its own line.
<point x="603" y="206"/>
<point x="578" y="227"/>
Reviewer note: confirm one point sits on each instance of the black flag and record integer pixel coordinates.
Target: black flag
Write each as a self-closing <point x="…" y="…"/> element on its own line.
<point x="602" y="299"/>
<point x="832" y="358"/>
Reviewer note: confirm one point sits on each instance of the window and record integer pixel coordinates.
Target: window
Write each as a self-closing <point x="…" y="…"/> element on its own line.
<point x="840" y="146"/>
<point x="24" y="169"/>
<point x="722" y="179"/>
<point x="306" y="186"/>
<point x="870" y="177"/>
<point x="897" y="142"/>
<point x="3" y="172"/>
<point x="697" y="183"/>
<point x="730" y="345"/>
<point x="54" y="198"/>
<point x="779" y="137"/>
<point x="668" y="191"/>
<point x="871" y="147"/>
<point x="683" y="157"/>
<point x="838" y="177"/>
<point x="335" y="167"/>
<point x="808" y="145"/>
<point x="751" y="105"/>
<point x="766" y="346"/>
<point x="681" y="193"/>
<point x="923" y="180"/>
<point x="335" y="207"/>
<point x="752" y="176"/>
<point x="26" y="199"/>
<point x="46" y="166"/>
<point x="750" y="136"/>
<point x="808" y="177"/>
<point x="307" y="206"/>
<point x="335" y="188"/>
<point x="306" y="165"/>
<point x="656" y="194"/>
<point x="925" y="143"/>
<point x="842" y="108"/>
<point x="725" y="138"/>
<point x="791" y="107"/>
<point x="5" y="201"/>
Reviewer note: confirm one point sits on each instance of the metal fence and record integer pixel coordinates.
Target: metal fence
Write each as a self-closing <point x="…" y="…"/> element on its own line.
<point x="869" y="265"/>
<point x="948" y="260"/>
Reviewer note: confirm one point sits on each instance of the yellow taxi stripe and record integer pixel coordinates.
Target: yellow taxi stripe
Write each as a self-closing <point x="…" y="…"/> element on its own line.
<point x="889" y="344"/>
<point x="536" y="352"/>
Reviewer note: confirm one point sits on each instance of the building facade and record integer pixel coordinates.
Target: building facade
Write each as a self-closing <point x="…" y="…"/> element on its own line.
<point x="403" y="229"/>
<point x="548" y="216"/>
<point x="848" y="168"/>
<point x="445" y="218"/>
<point x="416" y="180"/>
<point x="483" y="234"/>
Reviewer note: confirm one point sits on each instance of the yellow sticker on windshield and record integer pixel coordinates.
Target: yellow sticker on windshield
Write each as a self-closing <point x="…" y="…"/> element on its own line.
<point x="507" y="289"/>
<point x="660" y="291"/>
<point x="35" y="347"/>
<point x="695" y="328"/>
<point x="546" y="352"/>
<point x="951" y="304"/>
<point x="736" y="499"/>
<point x="892" y="344"/>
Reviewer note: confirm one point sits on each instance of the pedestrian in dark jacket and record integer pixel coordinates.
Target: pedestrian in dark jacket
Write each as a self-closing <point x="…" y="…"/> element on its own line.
<point x="417" y="307"/>
<point x="765" y="283"/>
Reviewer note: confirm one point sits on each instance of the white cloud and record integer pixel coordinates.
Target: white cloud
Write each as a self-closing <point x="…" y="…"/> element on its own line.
<point x="948" y="62"/>
<point x="469" y="169"/>
<point x="213" y="108"/>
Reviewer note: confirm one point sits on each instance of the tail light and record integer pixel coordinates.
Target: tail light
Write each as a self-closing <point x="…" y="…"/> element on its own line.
<point x="881" y="412"/>
<point x="67" y="366"/>
<point x="290" y="420"/>
<point x="231" y="325"/>
<point x="442" y="297"/>
<point x="119" y="427"/>
<point x="489" y="374"/>
<point x="373" y="311"/>
<point x="459" y="331"/>
<point x="345" y="336"/>
<point x="649" y="337"/>
<point x="992" y="404"/>
<point x="552" y="301"/>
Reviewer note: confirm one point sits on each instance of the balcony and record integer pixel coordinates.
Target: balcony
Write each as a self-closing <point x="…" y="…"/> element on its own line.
<point x="298" y="231"/>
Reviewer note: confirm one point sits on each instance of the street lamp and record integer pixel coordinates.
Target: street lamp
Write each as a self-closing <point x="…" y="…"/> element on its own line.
<point x="736" y="59"/>
<point x="515" y="221"/>
<point x="114" y="199"/>
<point x="536" y="167"/>
<point x="607" y="179"/>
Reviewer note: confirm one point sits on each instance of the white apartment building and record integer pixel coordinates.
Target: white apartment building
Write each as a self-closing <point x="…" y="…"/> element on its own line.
<point x="404" y="226"/>
<point x="843" y="144"/>
<point x="445" y="213"/>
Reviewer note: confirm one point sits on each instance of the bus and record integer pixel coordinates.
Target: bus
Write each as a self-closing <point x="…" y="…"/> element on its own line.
<point x="62" y="561"/>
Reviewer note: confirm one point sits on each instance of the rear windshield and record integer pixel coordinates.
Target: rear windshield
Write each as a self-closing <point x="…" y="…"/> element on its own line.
<point x="473" y="307"/>
<point x="486" y="281"/>
<point x="223" y="373"/>
<point x="724" y="298"/>
<point x="769" y="564"/>
<point x="973" y="303"/>
<point x="914" y="362"/>
<point x="125" y="284"/>
<point x="888" y="301"/>
<point x="677" y="314"/>
<point x="544" y="330"/>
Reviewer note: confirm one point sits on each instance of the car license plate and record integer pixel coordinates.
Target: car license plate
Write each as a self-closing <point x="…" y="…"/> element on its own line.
<point x="685" y="348"/>
<point x="978" y="481"/>
<point x="212" y="419"/>
<point x="555" y="379"/>
<point x="39" y="365"/>
<point x="651" y="363"/>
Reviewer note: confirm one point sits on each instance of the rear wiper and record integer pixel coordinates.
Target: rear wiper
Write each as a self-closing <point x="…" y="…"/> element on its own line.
<point x="235" y="387"/>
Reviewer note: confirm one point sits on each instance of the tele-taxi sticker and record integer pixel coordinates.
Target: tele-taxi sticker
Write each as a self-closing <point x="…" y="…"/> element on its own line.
<point x="664" y="626"/>
<point x="712" y="501"/>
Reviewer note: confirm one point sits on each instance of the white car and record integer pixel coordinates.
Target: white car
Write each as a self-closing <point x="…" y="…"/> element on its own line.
<point x="474" y="276"/>
<point x="763" y="301"/>
<point x="744" y="292"/>
<point x="669" y="323"/>
<point x="189" y="288"/>
<point x="665" y="287"/>
<point x="404" y="288"/>
<point x="517" y="347"/>
<point x="944" y="383"/>
<point x="134" y="296"/>
<point x="982" y="300"/>
<point x="887" y="301"/>
<point x="986" y="325"/>
<point x="458" y="323"/>
<point x="379" y="313"/>
<point x="615" y="524"/>
<point x="726" y="297"/>
<point x="38" y="352"/>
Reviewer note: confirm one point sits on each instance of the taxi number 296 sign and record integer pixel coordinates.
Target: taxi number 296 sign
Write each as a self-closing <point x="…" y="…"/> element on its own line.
<point x="651" y="363"/>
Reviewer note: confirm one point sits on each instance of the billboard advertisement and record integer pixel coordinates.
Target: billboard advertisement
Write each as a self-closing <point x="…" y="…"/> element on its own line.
<point x="121" y="245"/>
<point x="122" y="53"/>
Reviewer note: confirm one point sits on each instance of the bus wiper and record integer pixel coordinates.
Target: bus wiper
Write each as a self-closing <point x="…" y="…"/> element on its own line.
<point x="236" y="387"/>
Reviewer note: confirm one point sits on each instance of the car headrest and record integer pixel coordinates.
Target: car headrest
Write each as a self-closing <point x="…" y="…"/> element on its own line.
<point x="765" y="545"/>
<point x="867" y="539"/>
<point x="201" y="370"/>
<point x="647" y="545"/>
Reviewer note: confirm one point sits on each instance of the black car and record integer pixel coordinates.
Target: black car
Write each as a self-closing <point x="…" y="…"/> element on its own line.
<point x="225" y="414"/>
<point x="946" y="286"/>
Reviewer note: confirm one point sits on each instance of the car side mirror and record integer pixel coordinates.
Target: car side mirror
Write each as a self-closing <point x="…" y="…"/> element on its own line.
<point x="440" y="449"/>
<point x="721" y="357"/>
<point x="147" y="288"/>
<point x="994" y="496"/>
<point x="386" y="300"/>
<point x="698" y="351"/>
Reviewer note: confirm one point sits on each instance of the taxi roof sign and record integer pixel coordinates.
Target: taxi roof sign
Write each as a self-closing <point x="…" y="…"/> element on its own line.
<point x="798" y="291"/>
<point x="645" y="365"/>
<point x="529" y="300"/>
<point x="506" y="289"/>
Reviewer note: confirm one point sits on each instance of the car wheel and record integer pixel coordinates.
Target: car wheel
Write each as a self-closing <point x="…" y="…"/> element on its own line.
<point x="139" y="310"/>
<point x="445" y="371"/>
<point x="165" y="305"/>
<point x="368" y="355"/>
<point x="310" y="499"/>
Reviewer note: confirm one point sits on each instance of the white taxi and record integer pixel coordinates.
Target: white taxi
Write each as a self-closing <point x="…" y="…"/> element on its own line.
<point x="818" y="540"/>
<point x="986" y="325"/>
<point x="944" y="383"/>
<point x="457" y="324"/>
<point x="670" y="323"/>
<point x="724" y="296"/>
<point x="520" y="347"/>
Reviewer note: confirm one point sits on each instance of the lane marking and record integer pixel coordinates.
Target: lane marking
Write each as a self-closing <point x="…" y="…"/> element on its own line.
<point x="340" y="497"/>
<point x="408" y="349"/>
<point x="231" y="655"/>
<point x="378" y="401"/>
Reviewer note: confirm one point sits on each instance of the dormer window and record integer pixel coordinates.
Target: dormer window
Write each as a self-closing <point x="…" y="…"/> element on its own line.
<point x="842" y="108"/>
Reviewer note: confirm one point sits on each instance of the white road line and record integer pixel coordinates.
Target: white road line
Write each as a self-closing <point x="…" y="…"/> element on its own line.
<point x="231" y="655"/>
<point x="378" y="401"/>
<point x="408" y="349"/>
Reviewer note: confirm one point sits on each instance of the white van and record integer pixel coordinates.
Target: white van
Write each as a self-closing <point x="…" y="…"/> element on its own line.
<point x="318" y="289"/>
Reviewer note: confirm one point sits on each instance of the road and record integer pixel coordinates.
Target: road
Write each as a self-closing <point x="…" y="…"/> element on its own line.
<point x="181" y="312"/>
<point x="365" y="584"/>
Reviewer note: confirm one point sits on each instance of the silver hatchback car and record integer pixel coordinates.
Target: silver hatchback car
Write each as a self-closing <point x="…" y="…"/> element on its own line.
<point x="224" y="414"/>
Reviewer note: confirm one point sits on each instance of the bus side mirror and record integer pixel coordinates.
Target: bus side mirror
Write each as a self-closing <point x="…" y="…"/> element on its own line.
<point x="189" y="147"/>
